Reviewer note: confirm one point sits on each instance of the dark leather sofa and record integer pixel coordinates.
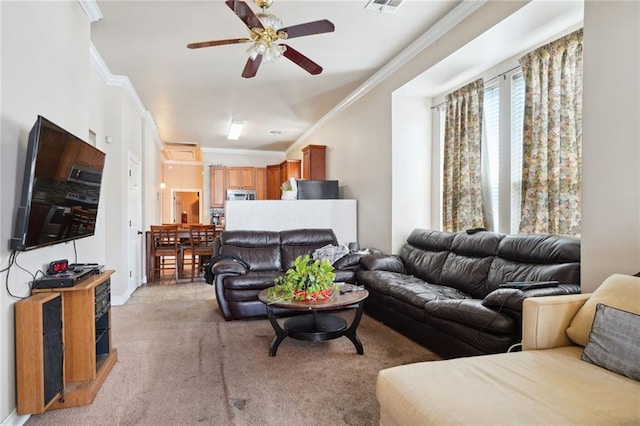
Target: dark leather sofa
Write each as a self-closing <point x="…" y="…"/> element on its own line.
<point x="267" y="254"/>
<point x="442" y="290"/>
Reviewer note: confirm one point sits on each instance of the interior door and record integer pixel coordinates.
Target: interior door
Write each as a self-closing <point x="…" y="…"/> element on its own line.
<point x="135" y="223"/>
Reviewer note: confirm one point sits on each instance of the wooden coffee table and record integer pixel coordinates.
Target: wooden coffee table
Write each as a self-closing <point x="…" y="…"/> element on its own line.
<point x="319" y="324"/>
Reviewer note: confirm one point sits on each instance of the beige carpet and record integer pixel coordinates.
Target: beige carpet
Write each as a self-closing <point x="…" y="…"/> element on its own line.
<point x="180" y="363"/>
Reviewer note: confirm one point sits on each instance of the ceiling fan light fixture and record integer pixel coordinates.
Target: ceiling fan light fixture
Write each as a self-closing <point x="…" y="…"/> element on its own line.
<point x="235" y="128"/>
<point x="270" y="21"/>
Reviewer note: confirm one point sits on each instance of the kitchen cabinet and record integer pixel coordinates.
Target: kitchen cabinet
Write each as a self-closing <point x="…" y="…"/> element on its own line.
<point x="241" y="178"/>
<point x="279" y="173"/>
<point x="314" y="162"/>
<point x="273" y="182"/>
<point x="217" y="182"/>
<point x="261" y="183"/>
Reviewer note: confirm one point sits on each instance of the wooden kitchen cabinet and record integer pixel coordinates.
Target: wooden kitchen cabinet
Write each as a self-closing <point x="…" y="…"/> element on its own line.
<point x="314" y="162"/>
<point x="261" y="183"/>
<point x="217" y="186"/>
<point x="273" y="182"/>
<point x="279" y="173"/>
<point x="241" y="178"/>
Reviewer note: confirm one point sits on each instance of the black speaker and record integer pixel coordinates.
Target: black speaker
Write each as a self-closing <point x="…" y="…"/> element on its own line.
<point x="39" y="352"/>
<point x="52" y="348"/>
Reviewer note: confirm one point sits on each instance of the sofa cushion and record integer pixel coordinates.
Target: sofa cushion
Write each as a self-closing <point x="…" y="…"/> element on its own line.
<point x="417" y="293"/>
<point x="251" y="281"/>
<point x="472" y="313"/>
<point x="383" y="262"/>
<point x="425" y="252"/>
<point x="298" y="242"/>
<point x="545" y="387"/>
<point x="614" y="341"/>
<point x="618" y="291"/>
<point x="467" y="274"/>
<point x="508" y="270"/>
<point x="258" y="258"/>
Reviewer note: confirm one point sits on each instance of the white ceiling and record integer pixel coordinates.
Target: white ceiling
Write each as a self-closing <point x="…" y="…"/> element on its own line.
<point x="193" y="94"/>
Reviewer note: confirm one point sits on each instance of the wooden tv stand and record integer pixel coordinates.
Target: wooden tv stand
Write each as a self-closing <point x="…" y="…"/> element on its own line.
<point x="88" y="352"/>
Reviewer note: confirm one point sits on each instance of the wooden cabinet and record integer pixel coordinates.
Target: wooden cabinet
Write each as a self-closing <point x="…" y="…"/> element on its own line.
<point x="241" y="178"/>
<point x="279" y="173"/>
<point x="88" y="352"/>
<point x="314" y="162"/>
<point x="218" y="186"/>
<point x="261" y="183"/>
<point x="273" y="182"/>
<point x="39" y="352"/>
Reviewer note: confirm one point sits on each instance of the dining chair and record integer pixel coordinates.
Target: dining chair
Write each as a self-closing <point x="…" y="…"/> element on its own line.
<point x="201" y="239"/>
<point x="166" y="250"/>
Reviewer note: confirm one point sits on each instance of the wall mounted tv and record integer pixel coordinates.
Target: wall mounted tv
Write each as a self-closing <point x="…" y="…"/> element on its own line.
<point x="61" y="188"/>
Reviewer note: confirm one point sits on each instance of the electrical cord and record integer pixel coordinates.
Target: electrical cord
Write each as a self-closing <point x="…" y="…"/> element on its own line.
<point x="13" y="260"/>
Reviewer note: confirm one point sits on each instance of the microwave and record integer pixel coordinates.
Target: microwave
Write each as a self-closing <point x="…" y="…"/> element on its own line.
<point x="241" y="194"/>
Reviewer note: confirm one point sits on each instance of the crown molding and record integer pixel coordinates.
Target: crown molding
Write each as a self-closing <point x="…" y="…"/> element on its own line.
<point x="240" y="151"/>
<point x="91" y="9"/>
<point x="116" y="80"/>
<point x="440" y="28"/>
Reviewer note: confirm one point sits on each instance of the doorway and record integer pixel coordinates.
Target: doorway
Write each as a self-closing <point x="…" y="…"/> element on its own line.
<point x="187" y="206"/>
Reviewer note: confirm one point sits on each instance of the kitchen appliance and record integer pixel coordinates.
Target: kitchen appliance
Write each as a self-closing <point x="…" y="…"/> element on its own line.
<point x="317" y="189"/>
<point x="241" y="194"/>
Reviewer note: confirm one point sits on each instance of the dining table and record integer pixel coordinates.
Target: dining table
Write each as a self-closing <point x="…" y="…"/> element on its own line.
<point x="183" y="235"/>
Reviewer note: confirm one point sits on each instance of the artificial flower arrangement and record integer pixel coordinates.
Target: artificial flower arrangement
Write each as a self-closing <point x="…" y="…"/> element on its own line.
<point x="308" y="280"/>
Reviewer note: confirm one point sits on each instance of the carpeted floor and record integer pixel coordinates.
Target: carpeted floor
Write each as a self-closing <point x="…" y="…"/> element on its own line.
<point x="180" y="363"/>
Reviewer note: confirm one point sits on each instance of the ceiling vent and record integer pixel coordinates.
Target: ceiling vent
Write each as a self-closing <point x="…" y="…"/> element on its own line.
<point x="387" y="6"/>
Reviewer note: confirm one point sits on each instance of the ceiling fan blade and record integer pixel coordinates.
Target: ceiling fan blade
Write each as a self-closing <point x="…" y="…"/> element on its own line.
<point x="251" y="67"/>
<point x="315" y="27"/>
<point x="302" y="61"/>
<point x="217" y="43"/>
<point x="245" y="13"/>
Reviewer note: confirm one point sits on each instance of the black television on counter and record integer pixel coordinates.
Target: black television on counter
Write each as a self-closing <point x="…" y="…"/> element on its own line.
<point x="61" y="188"/>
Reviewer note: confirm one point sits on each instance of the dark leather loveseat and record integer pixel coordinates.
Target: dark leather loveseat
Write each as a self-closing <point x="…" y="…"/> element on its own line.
<point x="267" y="254"/>
<point x="442" y="289"/>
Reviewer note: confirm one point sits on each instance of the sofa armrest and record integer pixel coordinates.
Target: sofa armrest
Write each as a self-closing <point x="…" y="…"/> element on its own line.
<point x="382" y="262"/>
<point x="347" y="261"/>
<point x="545" y="320"/>
<point x="228" y="266"/>
<point x="511" y="298"/>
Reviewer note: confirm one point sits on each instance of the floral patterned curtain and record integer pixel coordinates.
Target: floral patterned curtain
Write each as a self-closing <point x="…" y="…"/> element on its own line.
<point x="462" y="184"/>
<point x="552" y="138"/>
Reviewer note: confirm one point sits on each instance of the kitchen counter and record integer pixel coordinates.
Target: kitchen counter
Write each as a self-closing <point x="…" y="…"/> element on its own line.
<point x="279" y="215"/>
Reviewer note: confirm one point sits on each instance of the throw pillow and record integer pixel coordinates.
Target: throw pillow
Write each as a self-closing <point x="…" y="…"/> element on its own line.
<point x="614" y="341"/>
<point x="618" y="291"/>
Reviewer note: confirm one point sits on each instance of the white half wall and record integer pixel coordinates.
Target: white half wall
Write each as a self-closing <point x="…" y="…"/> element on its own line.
<point x="611" y="142"/>
<point x="280" y="215"/>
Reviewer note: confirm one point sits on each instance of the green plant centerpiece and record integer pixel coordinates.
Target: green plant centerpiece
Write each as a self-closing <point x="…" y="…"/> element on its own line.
<point x="308" y="280"/>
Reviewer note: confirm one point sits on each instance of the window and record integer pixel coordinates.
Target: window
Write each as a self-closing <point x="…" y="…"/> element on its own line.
<point x="503" y="114"/>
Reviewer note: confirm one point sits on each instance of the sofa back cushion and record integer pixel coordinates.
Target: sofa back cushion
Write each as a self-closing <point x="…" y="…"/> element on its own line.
<point x="298" y="242"/>
<point x="536" y="258"/>
<point x="424" y="253"/>
<point x="259" y="249"/>
<point x="466" y="268"/>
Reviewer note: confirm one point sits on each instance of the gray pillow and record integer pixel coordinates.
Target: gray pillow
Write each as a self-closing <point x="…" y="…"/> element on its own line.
<point x="614" y="341"/>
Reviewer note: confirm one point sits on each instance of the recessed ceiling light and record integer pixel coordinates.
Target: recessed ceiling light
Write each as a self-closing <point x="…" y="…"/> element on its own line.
<point x="275" y="132"/>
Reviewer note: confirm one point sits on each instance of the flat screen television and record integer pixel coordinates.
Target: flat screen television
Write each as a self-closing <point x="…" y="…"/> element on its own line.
<point x="61" y="188"/>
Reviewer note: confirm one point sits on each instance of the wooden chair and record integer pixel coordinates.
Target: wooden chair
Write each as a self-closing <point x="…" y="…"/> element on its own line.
<point x="201" y="246"/>
<point x="166" y="250"/>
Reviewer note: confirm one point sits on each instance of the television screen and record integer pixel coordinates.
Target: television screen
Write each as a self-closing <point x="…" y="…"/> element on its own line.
<point x="61" y="188"/>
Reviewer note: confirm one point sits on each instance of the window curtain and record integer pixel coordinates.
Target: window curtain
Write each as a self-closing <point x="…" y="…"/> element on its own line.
<point x="552" y="138"/>
<point x="462" y="197"/>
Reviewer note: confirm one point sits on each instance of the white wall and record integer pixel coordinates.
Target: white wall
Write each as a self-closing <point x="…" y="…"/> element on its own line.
<point x="361" y="139"/>
<point x="611" y="142"/>
<point x="46" y="69"/>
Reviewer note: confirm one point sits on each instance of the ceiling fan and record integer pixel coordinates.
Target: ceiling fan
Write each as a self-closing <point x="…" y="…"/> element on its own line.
<point x="265" y="30"/>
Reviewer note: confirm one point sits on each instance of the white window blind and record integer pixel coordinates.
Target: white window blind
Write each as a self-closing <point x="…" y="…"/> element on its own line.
<point x="517" y="123"/>
<point x="491" y="117"/>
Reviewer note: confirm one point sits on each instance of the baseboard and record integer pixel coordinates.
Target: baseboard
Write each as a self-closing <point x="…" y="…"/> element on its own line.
<point x="120" y="299"/>
<point x="14" y="419"/>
